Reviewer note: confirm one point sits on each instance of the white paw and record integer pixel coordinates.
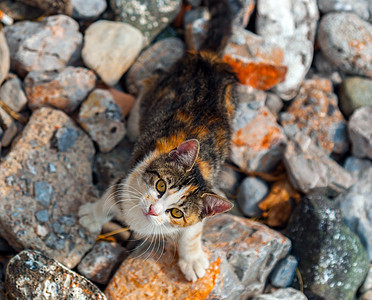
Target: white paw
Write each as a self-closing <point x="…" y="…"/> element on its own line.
<point x="194" y="267"/>
<point x="88" y="218"/>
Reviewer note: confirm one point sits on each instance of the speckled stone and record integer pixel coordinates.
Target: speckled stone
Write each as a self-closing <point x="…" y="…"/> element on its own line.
<point x="32" y="275"/>
<point x="360" y="132"/>
<point x="27" y="187"/>
<point x="4" y="57"/>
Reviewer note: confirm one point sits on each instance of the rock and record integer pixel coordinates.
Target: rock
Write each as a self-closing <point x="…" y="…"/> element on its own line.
<point x="32" y="275"/>
<point x="360" y="132"/>
<point x="123" y="100"/>
<point x="19" y="11"/>
<point x="274" y="103"/>
<point x="284" y="272"/>
<point x="9" y="134"/>
<point x="282" y="294"/>
<point x="242" y="10"/>
<point x="51" y="7"/>
<point x="27" y="187"/>
<point x="356" y="206"/>
<point x="150" y="17"/>
<point x="110" y="48"/>
<point x="43" y="46"/>
<point x="251" y="192"/>
<point x="332" y="260"/>
<point x="367" y="284"/>
<point x="355" y="92"/>
<point x="158" y="57"/>
<point x="314" y="112"/>
<point x="87" y="10"/>
<point x="99" y="263"/>
<point x="358" y="7"/>
<point x="12" y="94"/>
<point x="291" y="26"/>
<point x="63" y="90"/>
<point x="4" y="57"/>
<point x="258" y="142"/>
<point x="345" y="41"/>
<point x="356" y="166"/>
<point x="102" y="118"/>
<point x="241" y="254"/>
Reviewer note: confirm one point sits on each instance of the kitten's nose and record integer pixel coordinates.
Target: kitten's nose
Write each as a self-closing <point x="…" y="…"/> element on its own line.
<point x="152" y="211"/>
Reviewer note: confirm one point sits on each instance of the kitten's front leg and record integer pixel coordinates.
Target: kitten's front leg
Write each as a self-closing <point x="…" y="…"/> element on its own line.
<point x="192" y="260"/>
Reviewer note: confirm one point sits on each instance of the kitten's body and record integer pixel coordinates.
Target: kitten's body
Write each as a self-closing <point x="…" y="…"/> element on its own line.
<point x="183" y="138"/>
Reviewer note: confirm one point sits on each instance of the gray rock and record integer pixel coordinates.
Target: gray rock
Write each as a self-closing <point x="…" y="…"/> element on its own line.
<point x="42" y="46"/>
<point x="102" y="118"/>
<point x="87" y="10"/>
<point x="360" y="132"/>
<point x="26" y="187"/>
<point x="12" y="94"/>
<point x="274" y="103"/>
<point x="9" y="134"/>
<point x="64" y="139"/>
<point x="345" y="41"/>
<point x="63" y="90"/>
<point x="282" y="294"/>
<point x="284" y="272"/>
<point x="228" y="181"/>
<point x="356" y="206"/>
<point x="148" y="16"/>
<point x="42" y="215"/>
<point x="251" y="192"/>
<point x="356" y="166"/>
<point x="355" y="92"/>
<point x="332" y="260"/>
<point x="309" y="167"/>
<point x="367" y="284"/>
<point x="110" y="48"/>
<point x="358" y="7"/>
<point x="32" y="275"/>
<point x="4" y="57"/>
<point x="101" y="261"/>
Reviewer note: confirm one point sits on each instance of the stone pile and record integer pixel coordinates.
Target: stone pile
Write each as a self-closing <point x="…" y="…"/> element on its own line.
<point x="300" y="161"/>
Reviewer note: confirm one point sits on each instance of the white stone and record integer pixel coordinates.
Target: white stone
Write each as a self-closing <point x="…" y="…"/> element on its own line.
<point x="4" y="57"/>
<point x="90" y="9"/>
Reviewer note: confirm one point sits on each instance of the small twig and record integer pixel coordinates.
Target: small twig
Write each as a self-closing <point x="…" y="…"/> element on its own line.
<point x="264" y="176"/>
<point x="299" y="276"/>
<point x="13" y="114"/>
<point x="111" y="233"/>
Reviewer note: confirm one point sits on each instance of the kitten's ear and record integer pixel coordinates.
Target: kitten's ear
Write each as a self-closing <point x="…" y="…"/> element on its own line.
<point x="214" y="204"/>
<point x="185" y="154"/>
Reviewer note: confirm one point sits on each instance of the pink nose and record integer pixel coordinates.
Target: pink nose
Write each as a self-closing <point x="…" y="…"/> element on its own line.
<point x="152" y="211"/>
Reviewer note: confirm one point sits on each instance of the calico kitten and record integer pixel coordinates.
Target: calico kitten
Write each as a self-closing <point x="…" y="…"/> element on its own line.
<point x="184" y="130"/>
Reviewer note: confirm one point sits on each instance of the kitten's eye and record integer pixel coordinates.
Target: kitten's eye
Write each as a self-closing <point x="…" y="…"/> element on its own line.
<point x="161" y="186"/>
<point x="176" y="213"/>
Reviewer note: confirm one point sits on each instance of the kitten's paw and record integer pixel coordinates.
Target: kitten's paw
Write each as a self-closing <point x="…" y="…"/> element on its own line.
<point x="194" y="267"/>
<point x="88" y="218"/>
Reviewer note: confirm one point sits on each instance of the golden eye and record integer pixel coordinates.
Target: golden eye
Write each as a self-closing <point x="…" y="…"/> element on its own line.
<point x="161" y="186"/>
<point x="176" y="213"/>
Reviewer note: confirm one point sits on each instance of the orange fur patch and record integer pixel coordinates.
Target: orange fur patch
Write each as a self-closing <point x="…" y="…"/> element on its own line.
<point x="166" y="144"/>
<point x="229" y="106"/>
<point x="183" y="117"/>
<point x="204" y="168"/>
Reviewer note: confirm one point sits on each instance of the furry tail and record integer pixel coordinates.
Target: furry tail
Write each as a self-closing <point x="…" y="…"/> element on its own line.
<point x="220" y="26"/>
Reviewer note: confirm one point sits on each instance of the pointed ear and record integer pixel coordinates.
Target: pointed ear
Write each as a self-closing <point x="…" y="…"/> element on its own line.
<point x="214" y="204"/>
<point x="185" y="154"/>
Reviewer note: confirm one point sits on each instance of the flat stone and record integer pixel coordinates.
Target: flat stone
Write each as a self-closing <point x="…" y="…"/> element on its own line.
<point x="284" y="272"/>
<point x="32" y="275"/>
<point x="102" y="118"/>
<point x="43" y="46"/>
<point x="4" y="57"/>
<point x="87" y="10"/>
<point x="315" y="113"/>
<point x="100" y="262"/>
<point x="344" y="39"/>
<point x="64" y="90"/>
<point x="12" y="94"/>
<point x="282" y="294"/>
<point x="251" y="192"/>
<point x="332" y="260"/>
<point x="358" y="7"/>
<point x="355" y="92"/>
<point x="360" y="132"/>
<point x="148" y="16"/>
<point x="110" y="48"/>
<point x="26" y="187"/>
<point x="241" y="253"/>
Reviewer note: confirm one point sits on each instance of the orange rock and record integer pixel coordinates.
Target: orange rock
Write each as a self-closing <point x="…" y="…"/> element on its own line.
<point x="123" y="100"/>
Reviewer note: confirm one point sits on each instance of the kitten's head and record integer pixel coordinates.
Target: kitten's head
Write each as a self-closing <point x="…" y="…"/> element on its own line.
<point x="167" y="192"/>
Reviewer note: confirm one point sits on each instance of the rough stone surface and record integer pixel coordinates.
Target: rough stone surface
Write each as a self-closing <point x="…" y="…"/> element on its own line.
<point x="87" y="10"/>
<point x="251" y="192"/>
<point x="358" y="7"/>
<point x="148" y="16"/>
<point x="258" y="142"/>
<point x="356" y="166"/>
<point x="355" y="92"/>
<point x="43" y="46"/>
<point x="102" y="118"/>
<point x="332" y="261"/>
<point x="110" y="48"/>
<point x="12" y="94"/>
<point x="27" y="187"/>
<point x="345" y="40"/>
<point x="241" y="254"/>
<point x="4" y="57"/>
<point x="360" y="132"/>
<point x="63" y="90"/>
<point x="315" y="113"/>
<point x="282" y="294"/>
<point x="284" y="272"/>
<point x="32" y="275"/>
<point x="9" y="134"/>
<point x="309" y="167"/>
<point x="356" y="206"/>
<point x="156" y="58"/>
<point x="100" y="262"/>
